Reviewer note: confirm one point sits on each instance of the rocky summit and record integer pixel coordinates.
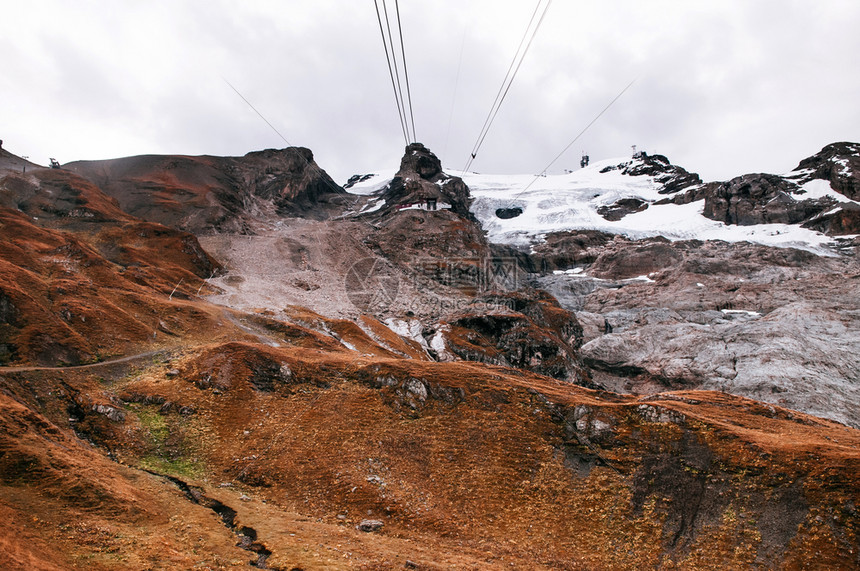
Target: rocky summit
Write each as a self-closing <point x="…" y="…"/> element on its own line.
<point x="235" y="362"/>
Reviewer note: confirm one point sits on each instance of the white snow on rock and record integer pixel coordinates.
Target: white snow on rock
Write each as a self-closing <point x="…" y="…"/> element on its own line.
<point x="375" y="183"/>
<point x="570" y="202"/>
<point x="818" y="188"/>
<point x="409" y="329"/>
<point x="740" y="312"/>
<point x="373" y="206"/>
<point x="557" y="203"/>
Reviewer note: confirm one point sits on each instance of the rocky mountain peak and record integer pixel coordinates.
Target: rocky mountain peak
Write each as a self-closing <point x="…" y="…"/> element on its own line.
<point x="420" y="160"/>
<point x="421" y="184"/>
<point x="673" y="177"/>
<point x="289" y="177"/>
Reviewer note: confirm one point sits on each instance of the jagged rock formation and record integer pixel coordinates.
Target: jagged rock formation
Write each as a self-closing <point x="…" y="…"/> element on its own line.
<point x="672" y="178"/>
<point x="621" y="208"/>
<point x="760" y="199"/>
<point x="205" y="194"/>
<point x="765" y="198"/>
<point x="421" y="183"/>
<point x="426" y="227"/>
<point x="840" y="220"/>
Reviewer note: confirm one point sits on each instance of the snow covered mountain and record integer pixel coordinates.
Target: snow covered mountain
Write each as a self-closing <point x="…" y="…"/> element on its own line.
<point x="641" y="197"/>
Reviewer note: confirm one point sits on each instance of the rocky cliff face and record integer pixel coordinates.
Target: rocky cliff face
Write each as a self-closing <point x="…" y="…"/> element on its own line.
<point x="424" y="225"/>
<point x="772" y="324"/>
<point x="525" y="329"/>
<point x="760" y="199"/>
<point x="672" y="178"/>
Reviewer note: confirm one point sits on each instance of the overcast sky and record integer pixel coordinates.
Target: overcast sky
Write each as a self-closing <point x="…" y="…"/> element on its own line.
<point x="724" y="87"/>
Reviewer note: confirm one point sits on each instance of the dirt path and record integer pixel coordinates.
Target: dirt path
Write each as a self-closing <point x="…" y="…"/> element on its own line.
<point x="116" y="361"/>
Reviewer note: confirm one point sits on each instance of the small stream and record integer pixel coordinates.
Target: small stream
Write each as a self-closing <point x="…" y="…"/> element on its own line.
<point x="247" y="535"/>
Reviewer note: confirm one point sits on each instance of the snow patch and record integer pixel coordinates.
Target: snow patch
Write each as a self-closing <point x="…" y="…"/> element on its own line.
<point x="818" y="188"/>
<point x="557" y="203"/>
<point x="740" y="312"/>
<point x="374" y="183"/>
<point x="409" y="329"/>
<point x="373" y="206"/>
<point x="437" y="343"/>
<point x="645" y="279"/>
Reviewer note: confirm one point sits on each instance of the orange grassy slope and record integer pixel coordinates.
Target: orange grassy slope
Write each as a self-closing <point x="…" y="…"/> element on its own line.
<point x="503" y="468"/>
<point x="80" y="280"/>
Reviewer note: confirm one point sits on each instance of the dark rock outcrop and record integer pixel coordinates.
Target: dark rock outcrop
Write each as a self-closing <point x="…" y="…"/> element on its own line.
<point x="838" y="163"/>
<point x="288" y="177"/>
<point x="427" y="229"/>
<point x="562" y="250"/>
<point x="622" y="208"/>
<point x="840" y="220"/>
<point x="672" y="177"/>
<point x="760" y="199"/>
<point x="7" y="310"/>
<point x="767" y="198"/>
<point x="526" y="329"/>
<point x="633" y="259"/>
<point x="421" y="182"/>
<point x="508" y="213"/>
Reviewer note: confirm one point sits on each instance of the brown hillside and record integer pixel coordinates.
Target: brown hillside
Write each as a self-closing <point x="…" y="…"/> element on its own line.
<point x="69" y="298"/>
<point x="205" y="194"/>
<point x="467" y="466"/>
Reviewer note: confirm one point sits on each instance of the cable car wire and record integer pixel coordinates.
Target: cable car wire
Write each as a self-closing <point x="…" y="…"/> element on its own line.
<point x="405" y="71"/>
<point x="397" y="99"/>
<point x="513" y="68"/>
<point x="575" y="139"/>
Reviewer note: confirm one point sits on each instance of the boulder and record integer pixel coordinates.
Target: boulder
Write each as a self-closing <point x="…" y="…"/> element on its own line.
<point x="369" y="525"/>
